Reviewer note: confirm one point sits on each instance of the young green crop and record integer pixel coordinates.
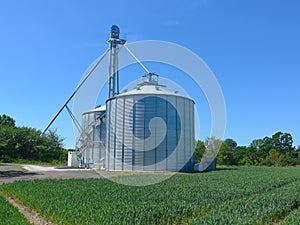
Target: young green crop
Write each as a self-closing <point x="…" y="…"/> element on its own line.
<point x="9" y="214"/>
<point x="293" y="218"/>
<point x="181" y="199"/>
<point x="263" y="208"/>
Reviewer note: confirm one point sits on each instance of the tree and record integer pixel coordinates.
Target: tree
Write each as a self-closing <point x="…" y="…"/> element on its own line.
<point x="288" y="159"/>
<point x="55" y="139"/>
<point x="275" y="157"/>
<point x="265" y="147"/>
<point x="239" y="154"/>
<point x="256" y="144"/>
<point x="51" y="147"/>
<point x="199" y="151"/>
<point x="225" y="155"/>
<point x="7" y="121"/>
<point x="231" y="143"/>
<point x="7" y="143"/>
<point x="280" y="142"/>
<point x="26" y="139"/>
<point x="25" y="143"/>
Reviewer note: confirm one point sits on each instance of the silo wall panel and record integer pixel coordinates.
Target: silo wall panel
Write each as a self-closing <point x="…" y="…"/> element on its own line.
<point x="192" y="138"/>
<point x="180" y="133"/>
<point x="150" y="151"/>
<point x="119" y="134"/>
<point x="160" y="131"/>
<point x="101" y="128"/>
<point x="171" y="134"/>
<point x="110" y="135"/>
<point x="138" y="133"/>
<point x="187" y="134"/>
<point x="128" y="137"/>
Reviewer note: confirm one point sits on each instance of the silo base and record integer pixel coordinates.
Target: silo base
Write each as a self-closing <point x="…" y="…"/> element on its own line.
<point x="206" y="165"/>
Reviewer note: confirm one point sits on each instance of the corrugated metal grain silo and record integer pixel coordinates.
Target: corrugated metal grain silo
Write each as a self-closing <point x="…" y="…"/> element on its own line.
<point x="150" y="129"/>
<point x="92" y="140"/>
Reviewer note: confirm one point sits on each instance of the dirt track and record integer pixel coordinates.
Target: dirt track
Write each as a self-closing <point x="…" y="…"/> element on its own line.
<point x="12" y="172"/>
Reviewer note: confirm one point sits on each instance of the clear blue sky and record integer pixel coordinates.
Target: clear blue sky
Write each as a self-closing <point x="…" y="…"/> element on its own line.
<point x="252" y="46"/>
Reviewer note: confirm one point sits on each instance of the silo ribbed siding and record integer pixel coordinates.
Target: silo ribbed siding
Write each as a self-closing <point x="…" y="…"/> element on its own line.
<point x="128" y="119"/>
<point x="94" y="131"/>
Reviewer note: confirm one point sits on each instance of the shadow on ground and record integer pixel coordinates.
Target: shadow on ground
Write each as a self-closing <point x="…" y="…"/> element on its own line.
<point x="15" y="173"/>
<point x="227" y="168"/>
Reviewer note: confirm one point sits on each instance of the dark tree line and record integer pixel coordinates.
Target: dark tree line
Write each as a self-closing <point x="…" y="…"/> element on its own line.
<point x="277" y="150"/>
<point x="24" y="143"/>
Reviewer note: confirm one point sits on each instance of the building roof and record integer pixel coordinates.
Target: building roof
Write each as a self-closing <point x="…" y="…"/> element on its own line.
<point x="150" y="86"/>
<point x="97" y="109"/>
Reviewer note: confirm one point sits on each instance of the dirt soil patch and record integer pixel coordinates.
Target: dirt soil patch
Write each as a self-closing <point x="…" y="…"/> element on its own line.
<point x="32" y="216"/>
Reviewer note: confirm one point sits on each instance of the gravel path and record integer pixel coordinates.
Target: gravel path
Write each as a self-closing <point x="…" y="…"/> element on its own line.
<point x="11" y="172"/>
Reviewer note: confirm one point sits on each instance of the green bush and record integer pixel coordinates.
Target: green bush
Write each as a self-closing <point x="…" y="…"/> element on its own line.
<point x="23" y="143"/>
